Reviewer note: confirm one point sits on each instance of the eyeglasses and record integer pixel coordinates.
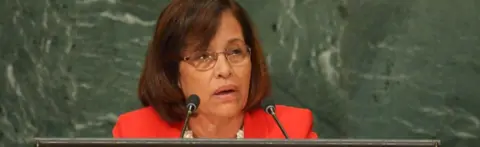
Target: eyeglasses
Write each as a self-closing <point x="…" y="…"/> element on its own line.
<point x="205" y="60"/>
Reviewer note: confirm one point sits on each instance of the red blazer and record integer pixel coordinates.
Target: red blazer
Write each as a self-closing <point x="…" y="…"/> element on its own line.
<point x="145" y="123"/>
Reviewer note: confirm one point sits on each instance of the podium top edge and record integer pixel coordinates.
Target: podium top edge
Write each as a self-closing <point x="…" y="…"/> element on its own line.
<point x="162" y="140"/>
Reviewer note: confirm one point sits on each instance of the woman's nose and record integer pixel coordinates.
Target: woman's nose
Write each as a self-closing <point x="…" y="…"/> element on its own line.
<point x="222" y="67"/>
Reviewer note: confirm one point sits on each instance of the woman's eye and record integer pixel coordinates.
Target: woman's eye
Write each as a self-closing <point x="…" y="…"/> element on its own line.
<point x="237" y="51"/>
<point x="203" y="56"/>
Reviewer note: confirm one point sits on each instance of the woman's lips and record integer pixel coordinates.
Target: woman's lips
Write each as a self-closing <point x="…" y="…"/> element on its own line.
<point x="225" y="88"/>
<point x="224" y="92"/>
<point x="226" y="96"/>
<point x="227" y="92"/>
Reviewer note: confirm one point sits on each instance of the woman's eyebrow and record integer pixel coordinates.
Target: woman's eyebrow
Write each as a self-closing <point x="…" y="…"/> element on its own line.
<point x="233" y="40"/>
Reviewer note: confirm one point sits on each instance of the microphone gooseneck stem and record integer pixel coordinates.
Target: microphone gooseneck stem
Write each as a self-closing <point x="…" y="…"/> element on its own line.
<point x="185" y="124"/>
<point x="279" y="124"/>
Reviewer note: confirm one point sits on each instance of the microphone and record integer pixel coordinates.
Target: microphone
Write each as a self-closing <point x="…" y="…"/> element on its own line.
<point x="193" y="101"/>
<point x="269" y="107"/>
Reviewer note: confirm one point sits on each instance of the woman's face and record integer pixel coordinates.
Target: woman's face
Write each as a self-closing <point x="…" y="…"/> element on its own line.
<point x="220" y="76"/>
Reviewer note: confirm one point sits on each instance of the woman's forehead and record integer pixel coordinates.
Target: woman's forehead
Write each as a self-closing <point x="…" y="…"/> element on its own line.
<point x="193" y="46"/>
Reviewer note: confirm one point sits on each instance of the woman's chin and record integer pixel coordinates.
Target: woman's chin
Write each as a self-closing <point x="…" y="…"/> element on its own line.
<point x="227" y="110"/>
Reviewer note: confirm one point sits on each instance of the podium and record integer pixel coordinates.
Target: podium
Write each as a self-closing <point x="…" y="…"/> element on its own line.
<point x="104" y="142"/>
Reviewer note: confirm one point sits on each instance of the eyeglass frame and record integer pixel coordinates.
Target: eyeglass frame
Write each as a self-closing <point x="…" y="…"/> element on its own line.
<point x="216" y="54"/>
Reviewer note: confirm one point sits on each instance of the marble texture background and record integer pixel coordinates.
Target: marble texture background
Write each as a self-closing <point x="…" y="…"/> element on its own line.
<point x="399" y="69"/>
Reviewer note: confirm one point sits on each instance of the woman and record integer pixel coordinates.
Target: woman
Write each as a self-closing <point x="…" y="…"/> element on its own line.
<point x="208" y="48"/>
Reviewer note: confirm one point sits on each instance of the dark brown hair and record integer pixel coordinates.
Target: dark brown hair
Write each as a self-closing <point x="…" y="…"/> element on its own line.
<point x="183" y="22"/>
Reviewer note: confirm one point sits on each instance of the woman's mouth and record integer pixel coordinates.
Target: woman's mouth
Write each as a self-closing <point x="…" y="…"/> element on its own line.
<point x="227" y="92"/>
<point x="224" y="92"/>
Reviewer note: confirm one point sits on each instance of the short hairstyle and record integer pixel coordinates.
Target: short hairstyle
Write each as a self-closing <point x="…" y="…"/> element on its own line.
<point x="181" y="22"/>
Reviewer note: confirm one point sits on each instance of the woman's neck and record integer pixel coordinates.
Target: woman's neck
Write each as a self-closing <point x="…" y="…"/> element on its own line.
<point x="204" y="126"/>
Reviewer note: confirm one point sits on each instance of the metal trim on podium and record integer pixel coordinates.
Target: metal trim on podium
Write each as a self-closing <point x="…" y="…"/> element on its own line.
<point x="108" y="142"/>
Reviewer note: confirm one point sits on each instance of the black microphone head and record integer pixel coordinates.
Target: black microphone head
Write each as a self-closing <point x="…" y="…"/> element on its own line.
<point x="193" y="101"/>
<point x="268" y="105"/>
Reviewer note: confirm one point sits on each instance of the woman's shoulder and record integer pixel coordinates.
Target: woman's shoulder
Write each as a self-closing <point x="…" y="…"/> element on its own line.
<point x="145" y="112"/>
<point x="285" y="112"/>
<point x="143" y="122"/>
<point x="145" y="116"/>
<point x="294" y="116"/>
<point x="296" y="121"/>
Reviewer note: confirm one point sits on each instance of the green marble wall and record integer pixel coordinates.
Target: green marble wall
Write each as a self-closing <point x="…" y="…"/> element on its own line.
<point x="398" y="69"/>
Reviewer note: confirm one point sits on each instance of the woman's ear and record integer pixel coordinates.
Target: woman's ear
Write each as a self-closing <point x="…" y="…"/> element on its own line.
<point x="179" y="85"/>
